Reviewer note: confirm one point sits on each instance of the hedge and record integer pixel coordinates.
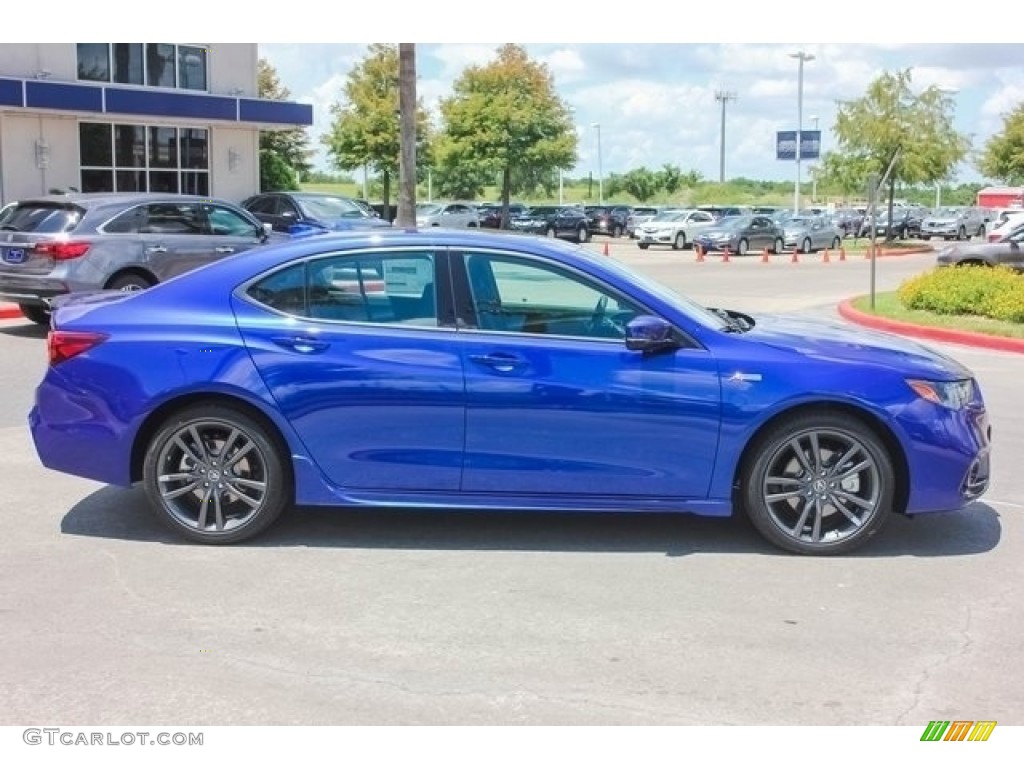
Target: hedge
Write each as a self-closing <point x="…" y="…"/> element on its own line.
<point x="969" y="290"/>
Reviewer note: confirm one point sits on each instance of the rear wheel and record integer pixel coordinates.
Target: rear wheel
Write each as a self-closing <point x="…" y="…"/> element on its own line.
<point x="642" y="246"/>
<point x="961" y="234"/>
<point x="38" y="315"/>
<point x="819" y="483"/>
<point x="215" y="475"/>
<point x="836" y="243"/>
<point x="129" y="283"/>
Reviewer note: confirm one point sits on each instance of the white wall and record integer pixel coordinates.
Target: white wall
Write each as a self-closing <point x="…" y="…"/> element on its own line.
<point x="238" y="182"/>
<point x="22" y="176"/>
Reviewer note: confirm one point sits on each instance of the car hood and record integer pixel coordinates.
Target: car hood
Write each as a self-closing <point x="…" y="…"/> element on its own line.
<point x="712" y="233"/>
<point x="824" y="339"/>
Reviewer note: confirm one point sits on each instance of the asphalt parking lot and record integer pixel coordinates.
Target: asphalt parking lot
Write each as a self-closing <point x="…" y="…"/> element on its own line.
<point x="399" y="617"/>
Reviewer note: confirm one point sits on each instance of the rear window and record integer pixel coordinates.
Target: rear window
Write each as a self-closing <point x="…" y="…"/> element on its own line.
<point x="40" y="217"/>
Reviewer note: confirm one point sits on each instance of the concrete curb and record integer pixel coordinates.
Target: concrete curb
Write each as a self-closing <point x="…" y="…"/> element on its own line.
<point x="9" y="312"/>
<point x="967" y="338"/>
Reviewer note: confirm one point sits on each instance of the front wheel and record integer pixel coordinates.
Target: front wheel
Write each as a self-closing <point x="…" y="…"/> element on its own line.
<point x="836" y="243"/>
<point x="961" y="234"/>
<point x="742" y="247"/>
<point x="582" y="234"/>
<point x="779" y="245"/>
<point x="643" y="246"/>
<point x="818" y="483"/>
<point x="215" y="475"/>
<point x="550" y="232"/>
<point x="616" y="231"/>
<point x="680" y="242"/>
<point x="38" y="315"/>
<point x="805" y="246"/>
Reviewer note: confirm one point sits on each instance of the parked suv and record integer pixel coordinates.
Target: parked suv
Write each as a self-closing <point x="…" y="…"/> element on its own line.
<point x="289" y="211"/>
<point x="955" y="222"/>
<point x="57" y="244"/>
<point x="564" y="221"/>
<point x="608" y="219"/>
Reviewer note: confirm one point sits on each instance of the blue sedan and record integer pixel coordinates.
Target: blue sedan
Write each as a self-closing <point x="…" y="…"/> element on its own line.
<point x="453" y="369"/>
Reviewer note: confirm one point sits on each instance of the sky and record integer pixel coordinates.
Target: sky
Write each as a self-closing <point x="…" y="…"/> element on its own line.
<point x="655" y="103"/>
<point x="646" y="74"/>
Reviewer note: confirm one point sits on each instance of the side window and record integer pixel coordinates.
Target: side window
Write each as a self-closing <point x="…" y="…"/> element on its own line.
<point x="286" y="207"/>
<point x="520" y="296"/>
<point x="223" y="221"/>
<point x="131" y="221"/>
<point x="263" y="205"/>
<point x="284" y="291"/>
<point x="174" y="219"/>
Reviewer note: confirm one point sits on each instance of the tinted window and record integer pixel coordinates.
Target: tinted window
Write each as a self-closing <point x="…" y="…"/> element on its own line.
<point x="174" y="219"/>
<point x="128" y="66"/>
<point x="40" y="217"/>
<point x="284" y="291"/>
<point x="260" y="205"/>
<point x="223" y="221"/>
<point x="132" y="220"/>
<point x="93" y="61"/>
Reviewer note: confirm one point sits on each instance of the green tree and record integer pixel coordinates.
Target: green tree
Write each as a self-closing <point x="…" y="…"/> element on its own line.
<point x="288" y="146"/>
<point x="503" y="118"/>
<point x="892" y="121"/>
<point x="670" y="178"/>
<point x="1003" y="157"/>
<point x="365" y="129"/>
<point x="642" y="183"/>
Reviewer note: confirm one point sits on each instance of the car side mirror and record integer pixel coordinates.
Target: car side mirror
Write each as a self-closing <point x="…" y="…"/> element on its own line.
<point x="290" y="214"/>
<point x="647" y="333"/>
<point x="267" y="229"/>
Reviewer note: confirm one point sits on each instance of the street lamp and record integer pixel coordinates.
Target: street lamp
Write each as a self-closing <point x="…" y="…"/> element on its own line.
<point x="814" y="168"/>
<point x="600" y="169"/>
<point x="802" y="57"/>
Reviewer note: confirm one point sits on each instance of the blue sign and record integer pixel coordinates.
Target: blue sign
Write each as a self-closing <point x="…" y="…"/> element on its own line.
<point x="785" y="145"/>
<point x="14" y="255"/>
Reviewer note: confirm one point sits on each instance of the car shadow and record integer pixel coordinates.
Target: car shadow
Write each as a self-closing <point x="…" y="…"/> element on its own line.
<point x="26" y="330"/>
<point x="118" y="513"/>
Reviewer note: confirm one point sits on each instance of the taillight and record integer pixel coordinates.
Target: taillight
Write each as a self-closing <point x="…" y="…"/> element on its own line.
<point x="62" y="250"/>
<point x="63" y="345"/>
<point x="994" y="238"/>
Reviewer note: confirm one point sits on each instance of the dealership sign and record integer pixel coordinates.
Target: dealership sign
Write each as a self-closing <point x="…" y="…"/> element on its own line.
<point x="810" y="145"/>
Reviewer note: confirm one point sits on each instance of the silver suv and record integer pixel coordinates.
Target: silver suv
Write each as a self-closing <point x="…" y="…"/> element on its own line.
<point x="954" y="222"/>
<point x="57" y="244"/>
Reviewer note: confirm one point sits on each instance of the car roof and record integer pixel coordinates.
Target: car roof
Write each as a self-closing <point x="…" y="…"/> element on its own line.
<point x="95" y="199"/>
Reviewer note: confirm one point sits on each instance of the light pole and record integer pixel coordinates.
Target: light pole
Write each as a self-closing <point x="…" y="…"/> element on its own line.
<point x="802" y="57"/>
<point x="814" y="168"/>
<point x="724" y="97"/>
<point x="600" y="169"/>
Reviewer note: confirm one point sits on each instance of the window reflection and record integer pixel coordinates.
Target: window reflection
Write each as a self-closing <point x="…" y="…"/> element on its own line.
<point x="128" y="66"/>
<point x="119" y="158"/>
<point x="160" y="65"/>
<point x="192" y="67"/>
<point x="93" y="61"/>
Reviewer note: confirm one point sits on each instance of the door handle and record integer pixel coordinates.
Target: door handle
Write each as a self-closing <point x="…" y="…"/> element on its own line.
<point x="156" y="249"/>
<point x="305" y="344"/>
<point x="502" y="362"/>
<point x="224" y="249"/>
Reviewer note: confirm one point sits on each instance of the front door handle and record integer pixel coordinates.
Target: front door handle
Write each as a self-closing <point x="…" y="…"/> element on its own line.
<point x="224" y="249"/>
<point x="156" y="249"/>
<point x="502" y="362"/>
<point x="305" y="344"/>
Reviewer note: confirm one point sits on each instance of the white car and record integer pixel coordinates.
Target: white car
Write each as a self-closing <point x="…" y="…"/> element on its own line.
<point x="447" y="215"/>
<point x="1007" y="222"/>
<point x="674" y="228"/>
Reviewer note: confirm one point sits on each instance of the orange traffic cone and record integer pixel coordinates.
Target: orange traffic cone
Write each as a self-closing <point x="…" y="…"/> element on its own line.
<point x="824" y="256"/>
<point x="700" y="252"/>
<point x="725" y="255"/>
<point x="842" y="253"/>
<point x="606" y="251"/>
<point x="795" y="259"/>
<point x="764" y="256"/>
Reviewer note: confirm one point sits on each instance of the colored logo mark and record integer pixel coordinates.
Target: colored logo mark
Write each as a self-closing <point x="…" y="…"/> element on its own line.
<point x="958" y="730"/>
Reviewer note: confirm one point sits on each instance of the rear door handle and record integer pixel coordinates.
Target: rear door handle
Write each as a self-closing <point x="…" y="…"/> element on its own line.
<point x="224" y="249"/>
<point x="156" y="249"/>
<point x="499" y="361"/>
<point x="305" y="344"/>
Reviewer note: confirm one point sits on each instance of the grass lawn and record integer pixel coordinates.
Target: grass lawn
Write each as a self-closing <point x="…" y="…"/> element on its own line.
<point x="887" y="305"/>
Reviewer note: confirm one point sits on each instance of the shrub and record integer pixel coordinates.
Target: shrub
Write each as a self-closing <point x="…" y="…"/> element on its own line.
<point x="972" y="290"/>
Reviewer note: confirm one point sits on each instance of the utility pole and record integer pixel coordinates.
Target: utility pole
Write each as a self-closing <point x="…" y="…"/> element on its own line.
<point x="725" y="97"/>
<point x="803" y="58"/>
<point x="407" y="135"/>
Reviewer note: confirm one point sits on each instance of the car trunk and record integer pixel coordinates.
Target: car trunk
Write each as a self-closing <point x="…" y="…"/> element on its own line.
<point x="31" y="234"/>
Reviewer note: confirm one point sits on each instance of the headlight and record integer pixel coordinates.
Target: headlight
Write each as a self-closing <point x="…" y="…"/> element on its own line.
<point x="951" y="394"/>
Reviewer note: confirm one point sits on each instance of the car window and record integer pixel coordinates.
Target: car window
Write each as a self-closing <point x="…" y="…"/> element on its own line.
<point x="223" y="221"/>
<point x="522" y="296"/>
<point x="131" y="221"/>
<point x="265" y="205"/>
<point x="174" y="219"/>
<point x="390" y="288"/>
<point x="44" y="218"/>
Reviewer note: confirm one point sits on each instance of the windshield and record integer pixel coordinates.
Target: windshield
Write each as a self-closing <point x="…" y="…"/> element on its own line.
<point x="541" y="211"/>
<point x="330" y="208"/>
<point x="42" y="217"/>
<point x="669" y="216"/>
<point x="733" y="222"/>
<point x="427" y="209"/>
<point x="799" y="221"/>
<point x="946" y="213"/>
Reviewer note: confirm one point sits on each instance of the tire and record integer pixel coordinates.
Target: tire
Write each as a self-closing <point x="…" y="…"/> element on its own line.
<point x="798" y="505"/>
<point x="981" y="232"/>
<point x="904" y="233"/>
<point x="38" y="315"/>
<point x="926" y="238"/>
<point x="616" y="231"/>
<point x="805" y="246"/>
<point x="643" y="246"/>
<point x="550" y="232"/>
<point x="836" y="243"/>
<point x="130" y="282"/>
<point x="680" y="242"/>
<point x="188" y="452"/>
<point x="582" y="234"/>
<point x="779" y="246"/>
<point x="472" y="225"/>
<point x="961" y="234"/>
<point x="742" y="247"/>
